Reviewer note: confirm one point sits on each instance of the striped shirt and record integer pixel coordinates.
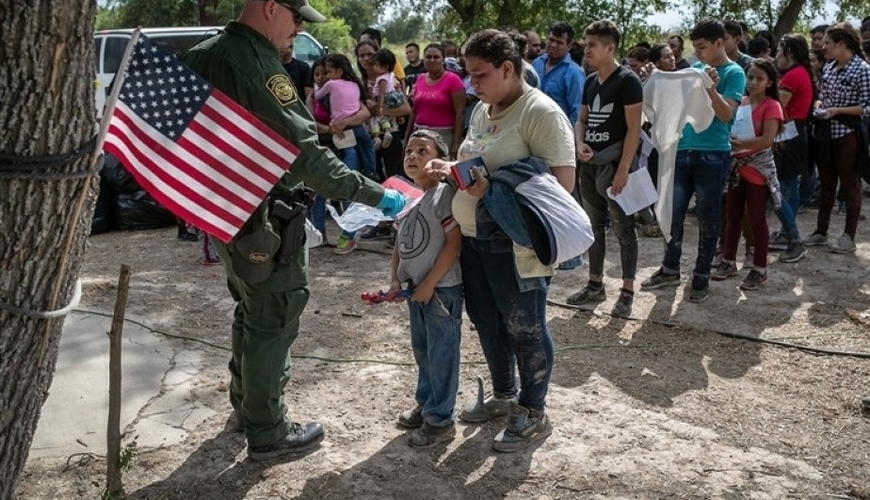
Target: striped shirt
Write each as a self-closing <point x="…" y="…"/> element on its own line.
<point x="845" y="87"/>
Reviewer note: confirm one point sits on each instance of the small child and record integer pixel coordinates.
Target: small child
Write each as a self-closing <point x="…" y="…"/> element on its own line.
<point x="387" y="95"/>
<point x="427" y="255"/>
<point x="753" y="174"/>
<point x="345" y="92"/>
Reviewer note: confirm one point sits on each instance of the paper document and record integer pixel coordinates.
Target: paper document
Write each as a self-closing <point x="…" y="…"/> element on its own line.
<point x="789" y="131"/>
<point x="742" y="129"/>
<point x="637" y="194"/>
<point x="344" y="139"/>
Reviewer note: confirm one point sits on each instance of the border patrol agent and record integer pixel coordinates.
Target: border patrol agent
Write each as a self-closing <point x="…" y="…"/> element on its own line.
<point x="267" y="279"/>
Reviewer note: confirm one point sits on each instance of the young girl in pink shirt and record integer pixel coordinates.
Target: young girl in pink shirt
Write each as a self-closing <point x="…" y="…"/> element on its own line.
<point x="344" y="91"/>
<point x="753" y="175"/>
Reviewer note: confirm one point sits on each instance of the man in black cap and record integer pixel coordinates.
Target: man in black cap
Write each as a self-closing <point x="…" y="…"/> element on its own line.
<point x="266" y="262"/>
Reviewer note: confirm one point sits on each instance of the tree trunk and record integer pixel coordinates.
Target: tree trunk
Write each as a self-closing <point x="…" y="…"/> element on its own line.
<point x="46" y="108"/>
<point x="788" y="18"/>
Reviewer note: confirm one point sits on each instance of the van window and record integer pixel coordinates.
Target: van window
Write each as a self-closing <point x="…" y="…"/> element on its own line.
<point x="115" y="47"/>
<point x="98" y="45"/>
<point x="305" y="49"/>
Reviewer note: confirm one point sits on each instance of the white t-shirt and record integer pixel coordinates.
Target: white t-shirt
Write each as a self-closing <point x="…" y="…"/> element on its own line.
<point x="390" y="78"/>
<point x="534" y="125"/>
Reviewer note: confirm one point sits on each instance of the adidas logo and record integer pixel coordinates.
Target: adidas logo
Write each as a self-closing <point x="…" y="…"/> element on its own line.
<point x="597" y="116"/>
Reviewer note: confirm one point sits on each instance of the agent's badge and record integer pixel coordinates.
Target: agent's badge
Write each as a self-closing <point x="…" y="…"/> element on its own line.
<point x="281" y="87"/>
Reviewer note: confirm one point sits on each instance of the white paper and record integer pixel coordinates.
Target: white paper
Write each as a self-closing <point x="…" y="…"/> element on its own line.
<point x="742" y="129"/>
<point x="357" y="216"/>
<point x="789" y="131"/>
<point x="637" y="194"/>
<point x="344" y="140"/>
<point x="313" y="236"/>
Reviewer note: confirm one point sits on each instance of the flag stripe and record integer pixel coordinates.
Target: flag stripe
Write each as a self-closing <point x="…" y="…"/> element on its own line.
<point x="195" y="150"/>
<point x="278" y="142"/>
<point x="252" y="186"/>
<point x="203" y="134"/>
<point x="158" y="162"/>
<point x="212" y="225"/>
<point x="175" y="171"/>
<point x="273" y="162"/>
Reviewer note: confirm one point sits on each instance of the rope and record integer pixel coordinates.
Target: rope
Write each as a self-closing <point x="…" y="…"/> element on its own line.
<point x="33" y="167"/>
<point x="733" y="335"/>
<point x="30" y="313"/>
<point x="562" y="348"/>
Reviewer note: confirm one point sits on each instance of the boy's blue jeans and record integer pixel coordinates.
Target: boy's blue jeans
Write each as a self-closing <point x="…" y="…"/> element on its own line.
<point x="511" y="324"/>
<point x="791" y="201"/>
<point x="703" y="174"/>
<point x="435" y="334"/>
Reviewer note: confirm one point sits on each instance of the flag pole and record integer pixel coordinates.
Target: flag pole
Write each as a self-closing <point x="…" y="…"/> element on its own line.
<point x="116" y="91"/>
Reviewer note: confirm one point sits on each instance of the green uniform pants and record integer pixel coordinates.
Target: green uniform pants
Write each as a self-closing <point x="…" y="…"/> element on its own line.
<point x="265" y="324"/>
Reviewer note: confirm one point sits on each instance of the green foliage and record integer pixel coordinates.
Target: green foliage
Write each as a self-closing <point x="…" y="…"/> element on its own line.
<point x="357" y="14"/>
<point x="458" y="18"/>
<point x="334" y="33"/>
<point x="405" y="26"/>
<point x="106" y="18"/>
<point x="148" y="13"/>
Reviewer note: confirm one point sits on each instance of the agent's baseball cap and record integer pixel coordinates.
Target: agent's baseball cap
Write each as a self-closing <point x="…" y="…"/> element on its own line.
<point x="304" y="9"/>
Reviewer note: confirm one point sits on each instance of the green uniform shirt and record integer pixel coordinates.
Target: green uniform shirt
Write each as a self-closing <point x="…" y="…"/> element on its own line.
<point x="243" y="64"/>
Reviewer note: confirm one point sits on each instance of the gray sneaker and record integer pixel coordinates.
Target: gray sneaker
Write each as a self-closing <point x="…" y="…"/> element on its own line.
<point x="588" y="296"/>
<point x="724" y="270"/>
<point x="816" y="240"/>
<point x="844" y="244"/>
<point x="525" y="427"/>
<point x="428" y="436"/>
<point x="491" y="408"/>
<point x="486" y="408"/>
<point x="778" y="242"/>
<point x="793" y="253"/>
<point x="660" y="279"/>
<point x="412" y="419"/>
<point x="700" y="290"/>
<point x="622" y="308"/>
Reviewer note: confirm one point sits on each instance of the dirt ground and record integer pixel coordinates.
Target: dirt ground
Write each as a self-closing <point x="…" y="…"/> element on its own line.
<point x="657" y="407"/>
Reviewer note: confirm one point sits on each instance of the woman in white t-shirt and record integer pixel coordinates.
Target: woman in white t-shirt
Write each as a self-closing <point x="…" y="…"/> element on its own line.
<point x="505" y="284"/>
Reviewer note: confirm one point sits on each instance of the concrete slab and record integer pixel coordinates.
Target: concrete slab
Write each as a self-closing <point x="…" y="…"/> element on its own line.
<point x="156" y="402"/>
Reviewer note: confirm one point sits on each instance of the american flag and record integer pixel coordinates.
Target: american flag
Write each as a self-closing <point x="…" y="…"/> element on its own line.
<point x="192" y="148"/>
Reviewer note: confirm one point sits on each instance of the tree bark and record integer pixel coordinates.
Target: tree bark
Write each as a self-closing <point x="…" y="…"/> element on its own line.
<point x="788" y="18"/>
<point x="46" y="108"/>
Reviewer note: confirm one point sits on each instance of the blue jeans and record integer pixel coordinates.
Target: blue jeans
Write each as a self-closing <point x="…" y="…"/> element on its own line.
<point x="435" y="335"/>
<point x="511" y="324"/>
<point x="703" y="174"/>
<point x="365" y="150"/>
<point x="791" y="202"/>
<point x="317" y="214"/>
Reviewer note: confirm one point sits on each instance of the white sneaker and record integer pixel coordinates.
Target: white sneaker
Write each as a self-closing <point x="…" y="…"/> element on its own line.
<point x="844" y="244"/>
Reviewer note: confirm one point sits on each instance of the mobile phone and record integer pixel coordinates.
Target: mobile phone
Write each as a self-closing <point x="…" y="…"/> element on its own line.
<point x="462" y="171"/>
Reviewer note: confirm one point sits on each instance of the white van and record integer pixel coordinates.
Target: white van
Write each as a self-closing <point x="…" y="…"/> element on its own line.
<point x="109" y="48"/>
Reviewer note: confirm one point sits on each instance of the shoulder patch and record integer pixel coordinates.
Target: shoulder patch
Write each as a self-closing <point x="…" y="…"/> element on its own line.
<point x="281" y="87"/>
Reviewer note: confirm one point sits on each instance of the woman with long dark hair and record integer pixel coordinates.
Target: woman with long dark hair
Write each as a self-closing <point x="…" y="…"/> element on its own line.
<point x="844" y="98"/>
<point x="796" y="92"/>
<point x="752" y="178"/>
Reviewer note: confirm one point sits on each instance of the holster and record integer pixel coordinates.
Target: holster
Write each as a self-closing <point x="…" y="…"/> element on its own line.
<point x="288" y="214"/>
